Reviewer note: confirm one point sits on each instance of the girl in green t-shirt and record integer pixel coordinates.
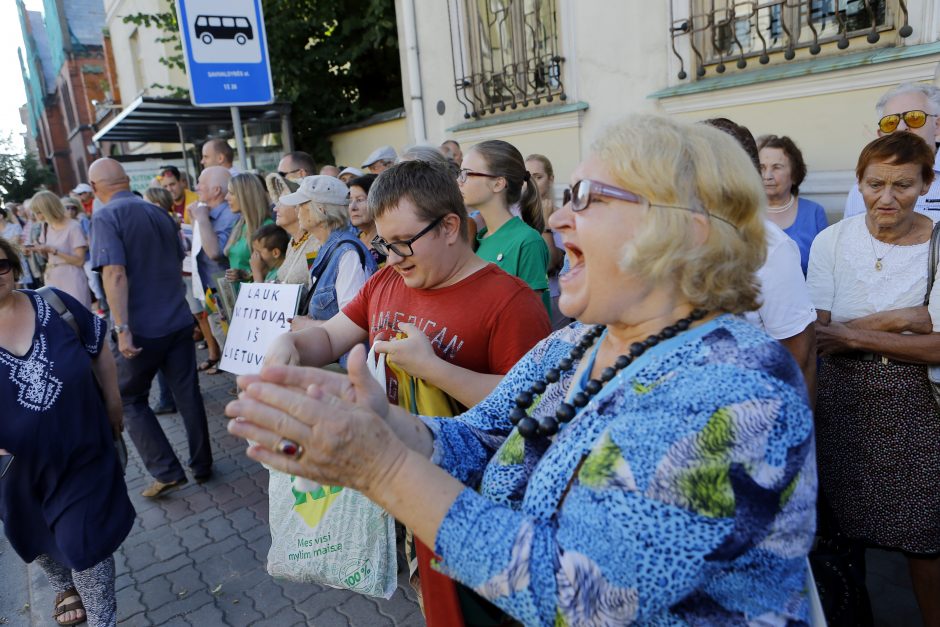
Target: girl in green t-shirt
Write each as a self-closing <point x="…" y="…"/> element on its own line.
<point x="491" y="180"/>
<point x="247" y="197"/>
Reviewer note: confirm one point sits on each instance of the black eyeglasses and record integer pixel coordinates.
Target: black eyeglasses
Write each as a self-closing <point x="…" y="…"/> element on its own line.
<point x="382" y="247"/>
<point x="467" y="172"/>
<point x="5" y="266"/>
<point x="286" y="174"/>
<point x="585" y="191"/>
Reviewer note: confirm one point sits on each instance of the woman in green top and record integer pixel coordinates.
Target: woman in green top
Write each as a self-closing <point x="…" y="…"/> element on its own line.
<point x="491" y="180"/>
<point x="247" y="197"/>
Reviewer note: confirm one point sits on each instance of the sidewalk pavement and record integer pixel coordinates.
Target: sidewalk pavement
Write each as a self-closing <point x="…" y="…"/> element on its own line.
<point x="197" y="556"/>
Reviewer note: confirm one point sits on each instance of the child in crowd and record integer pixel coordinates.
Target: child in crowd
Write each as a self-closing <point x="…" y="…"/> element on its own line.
<point x="268" y="245"/>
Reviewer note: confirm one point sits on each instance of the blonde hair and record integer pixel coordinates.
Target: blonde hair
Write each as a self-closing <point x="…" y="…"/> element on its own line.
<point x="253" y="205"/>
<point x="48" y="206"/>
<point x="331" y="216"/>
<point x="694" y="166"/>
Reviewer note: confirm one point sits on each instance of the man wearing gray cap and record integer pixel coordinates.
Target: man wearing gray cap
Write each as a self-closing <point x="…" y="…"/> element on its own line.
<point x="381" y="159"/>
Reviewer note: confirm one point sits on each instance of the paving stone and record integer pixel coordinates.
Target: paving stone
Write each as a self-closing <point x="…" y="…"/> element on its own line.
<point x="330" y="618"/>
<point x="168" y="547"/>
<point x="193" y="537"/>
<point x="179" y="608"/>
<point x="129" y="602"/>
<point x="268" y="595"/>
<point x="156" y="592"/>
<point x="215" y="549"/>
<point x="186" y="580"/>
<point x="362" y="610"/>
<point x="219" y="528"/>
<point x="161" y="568"/>
<point x="244" y="520"/>
<point x="287" y="616"/>
<point x="209" y="615"/>
<point x="238" y="610"/>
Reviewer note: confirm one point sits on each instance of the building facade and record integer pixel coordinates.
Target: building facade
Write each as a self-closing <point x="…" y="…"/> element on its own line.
<point x="547" y="75"/>
<point x="64" y="72"/>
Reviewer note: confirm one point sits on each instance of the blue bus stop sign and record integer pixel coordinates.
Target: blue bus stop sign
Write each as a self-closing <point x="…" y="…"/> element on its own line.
<point x="226" y="52"/>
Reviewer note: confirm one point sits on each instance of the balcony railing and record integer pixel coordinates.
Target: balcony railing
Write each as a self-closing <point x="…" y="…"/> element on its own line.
<point x="511" y="48"/>
<point x="718" y="32"/>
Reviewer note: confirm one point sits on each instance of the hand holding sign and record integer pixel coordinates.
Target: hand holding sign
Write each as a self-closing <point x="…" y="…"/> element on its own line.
<point x="259" y="318"/>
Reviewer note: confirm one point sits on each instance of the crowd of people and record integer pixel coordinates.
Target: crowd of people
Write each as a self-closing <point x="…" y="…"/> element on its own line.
<point x="644" y="399"/>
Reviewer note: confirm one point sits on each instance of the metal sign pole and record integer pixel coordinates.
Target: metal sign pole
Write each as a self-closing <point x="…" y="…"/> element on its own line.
<point x="239" y="139"/>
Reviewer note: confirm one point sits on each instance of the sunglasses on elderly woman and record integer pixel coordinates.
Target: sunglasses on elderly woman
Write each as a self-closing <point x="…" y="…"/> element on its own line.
<point x="915" y="118"/>
<point x="585" y="191"/>
<point x="5" y="266"/>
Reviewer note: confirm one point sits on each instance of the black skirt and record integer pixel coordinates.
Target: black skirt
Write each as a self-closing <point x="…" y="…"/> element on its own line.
<point x="878" y="450"/>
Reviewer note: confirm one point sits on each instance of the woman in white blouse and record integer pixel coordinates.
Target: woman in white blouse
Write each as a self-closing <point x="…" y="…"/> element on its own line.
<point x="877" y="425"/>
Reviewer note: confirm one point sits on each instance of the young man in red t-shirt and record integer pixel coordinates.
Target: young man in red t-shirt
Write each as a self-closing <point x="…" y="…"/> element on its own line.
<point x="467" y="322"/>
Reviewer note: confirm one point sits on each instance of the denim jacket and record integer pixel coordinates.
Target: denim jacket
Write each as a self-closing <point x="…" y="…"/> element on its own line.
<point x="323" y="302"/>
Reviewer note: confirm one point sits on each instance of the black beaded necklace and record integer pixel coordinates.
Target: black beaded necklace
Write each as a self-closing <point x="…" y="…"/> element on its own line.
<point x="529" y="428"/>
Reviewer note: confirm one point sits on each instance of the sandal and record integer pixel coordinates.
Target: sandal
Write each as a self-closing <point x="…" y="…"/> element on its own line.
<point x="61" y="607"/>
<point x="208" y="365"/>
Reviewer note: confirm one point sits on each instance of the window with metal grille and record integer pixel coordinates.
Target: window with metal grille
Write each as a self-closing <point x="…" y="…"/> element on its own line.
<point x="506" y="54"/>
<point x="717" y="32"/>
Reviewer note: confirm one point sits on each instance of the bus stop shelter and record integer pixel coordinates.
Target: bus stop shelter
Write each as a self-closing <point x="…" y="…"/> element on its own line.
<point x="174" y="120"/>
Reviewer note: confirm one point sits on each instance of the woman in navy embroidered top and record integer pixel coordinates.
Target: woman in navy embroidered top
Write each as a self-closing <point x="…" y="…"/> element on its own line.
<point x="63" y="500"/>
<point x="653" y="464"/>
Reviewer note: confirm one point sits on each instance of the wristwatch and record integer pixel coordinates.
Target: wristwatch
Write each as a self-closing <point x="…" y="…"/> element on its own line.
<point x="121" y="328"/>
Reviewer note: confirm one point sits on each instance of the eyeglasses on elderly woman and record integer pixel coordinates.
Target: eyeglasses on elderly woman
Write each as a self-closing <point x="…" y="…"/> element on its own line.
<point x="914" y="118"/>
<point x="585" y="191"/>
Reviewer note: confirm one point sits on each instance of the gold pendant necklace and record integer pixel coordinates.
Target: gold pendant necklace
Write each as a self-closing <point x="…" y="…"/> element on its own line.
<point x="878" y="264"/>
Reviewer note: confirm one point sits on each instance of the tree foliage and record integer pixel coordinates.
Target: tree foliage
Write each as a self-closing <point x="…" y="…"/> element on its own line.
<point x="21" y="174"/>
<point x="167" y="24"/>
<point x="335" y="61"/>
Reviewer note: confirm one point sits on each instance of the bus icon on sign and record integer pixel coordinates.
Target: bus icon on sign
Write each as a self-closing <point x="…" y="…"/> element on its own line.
<point x="212" y="27"/>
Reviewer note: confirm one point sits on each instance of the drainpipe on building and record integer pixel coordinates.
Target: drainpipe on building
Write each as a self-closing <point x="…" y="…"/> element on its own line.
<point x="414" y="71"/>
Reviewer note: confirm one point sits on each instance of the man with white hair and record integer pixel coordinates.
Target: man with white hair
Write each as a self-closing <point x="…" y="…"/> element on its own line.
<point x="215" y="220"/>
<point x="912" y="107"/>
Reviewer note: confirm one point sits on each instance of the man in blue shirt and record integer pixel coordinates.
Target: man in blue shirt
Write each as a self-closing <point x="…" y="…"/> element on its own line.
<point x="215" y="220"/>
<point x="136" y="247"/>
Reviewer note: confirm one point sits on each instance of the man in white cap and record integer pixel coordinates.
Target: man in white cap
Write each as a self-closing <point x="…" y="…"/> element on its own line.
<point x="381" y="159"/>
<point x="349" y="174"/>
<point x="85" y="195"/>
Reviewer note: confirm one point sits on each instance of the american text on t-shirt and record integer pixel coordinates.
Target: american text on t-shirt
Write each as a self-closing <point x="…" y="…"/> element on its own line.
<point x="385" y="326"/>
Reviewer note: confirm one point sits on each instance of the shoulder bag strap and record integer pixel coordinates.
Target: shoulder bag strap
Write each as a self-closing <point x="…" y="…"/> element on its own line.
<point x="48" y="294"/>
<point x="932" y="259"/>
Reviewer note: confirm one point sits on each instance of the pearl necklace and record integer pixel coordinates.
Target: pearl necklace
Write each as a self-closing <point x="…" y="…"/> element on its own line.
<point x="530" y="429"/>
<point x="783" y="208"/>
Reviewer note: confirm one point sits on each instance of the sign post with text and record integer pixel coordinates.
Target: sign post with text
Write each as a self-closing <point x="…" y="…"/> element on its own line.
<point x="226" y="52"/>
<point x="261" y="314"/>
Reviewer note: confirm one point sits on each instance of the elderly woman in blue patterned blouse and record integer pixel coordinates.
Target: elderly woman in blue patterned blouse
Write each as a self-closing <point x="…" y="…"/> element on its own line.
<point x="652" y="463"/>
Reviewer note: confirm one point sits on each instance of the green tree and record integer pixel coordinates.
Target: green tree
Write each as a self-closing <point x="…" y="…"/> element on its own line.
<point x="335" y="61"/>
<point x="21" y="175"/>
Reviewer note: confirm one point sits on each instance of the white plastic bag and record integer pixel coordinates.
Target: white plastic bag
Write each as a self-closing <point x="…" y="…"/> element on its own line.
<point x="332" y="536"/>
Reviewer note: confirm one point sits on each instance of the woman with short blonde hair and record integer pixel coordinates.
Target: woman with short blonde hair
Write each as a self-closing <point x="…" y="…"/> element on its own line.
<point x="662" y="439"/>
<point x="64" y="244"/>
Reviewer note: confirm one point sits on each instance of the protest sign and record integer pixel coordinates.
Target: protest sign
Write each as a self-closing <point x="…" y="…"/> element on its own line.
<point x="261" y="313"/>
